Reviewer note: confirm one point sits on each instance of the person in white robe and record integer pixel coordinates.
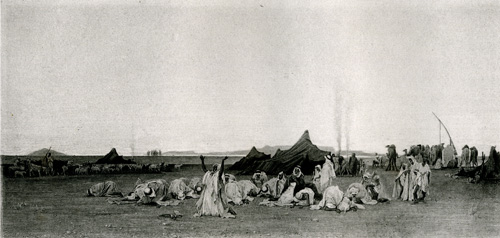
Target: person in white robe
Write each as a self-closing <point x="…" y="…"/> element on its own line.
<point x="402" y="184"/>
<point x="248" y="190"/>
<point x="328" y="175"/>
<point x="379" y="190"/>
<point x="213" y="200"/>
<point x="414" y="168"/>
<point x="150" y="191"/>
<point x="422" y="181"/>
<point x="105" y="189"/>
<point x="334" y="200"/>
<point x="317" y="176"/>
<point x="195" y="185"/>
<point x="358" y="194"/>
<point x="274" y="187"/>
<point x="233" y="192"/>
<point x="179" y="189"/>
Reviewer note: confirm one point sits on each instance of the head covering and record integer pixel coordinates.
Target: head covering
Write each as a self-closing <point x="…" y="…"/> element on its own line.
<point x="295" y="173"/>
<point x="367" y="175"/>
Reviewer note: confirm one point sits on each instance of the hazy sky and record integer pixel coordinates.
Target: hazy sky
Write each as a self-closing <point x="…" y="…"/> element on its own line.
<point x="84" y="77"/>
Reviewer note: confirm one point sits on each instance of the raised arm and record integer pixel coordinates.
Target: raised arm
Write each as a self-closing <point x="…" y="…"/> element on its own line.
<point x="203" y="164"/>
<point x="222" y="167"/>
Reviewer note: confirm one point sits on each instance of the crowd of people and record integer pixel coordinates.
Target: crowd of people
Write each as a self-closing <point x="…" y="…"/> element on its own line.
<point x="218" y="193"/>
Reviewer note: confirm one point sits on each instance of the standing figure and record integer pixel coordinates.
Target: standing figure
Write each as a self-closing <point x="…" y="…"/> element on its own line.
<point x="464" y="159"/>
<point x="392" y="155"/>
<point x="414" y="169"/>
<point x="213" y="200"/>
<point x="473" y="156"/>
<point x="402" y="184"/>
<point x="423" y="180"/>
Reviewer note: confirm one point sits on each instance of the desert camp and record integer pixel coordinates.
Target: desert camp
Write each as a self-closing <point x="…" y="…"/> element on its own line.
<point x="249" y="118"/>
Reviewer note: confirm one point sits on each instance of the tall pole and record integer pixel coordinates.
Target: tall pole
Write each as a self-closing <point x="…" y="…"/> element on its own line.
<point x="440" y="133"/>
<point x="446" y="129"/>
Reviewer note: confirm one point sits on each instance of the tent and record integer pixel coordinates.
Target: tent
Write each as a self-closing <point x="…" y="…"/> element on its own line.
<point x="491" y="168"/>
<point x="113" y="158"/>
<point x="303" y="153"/>
<point x="247" y="162"/>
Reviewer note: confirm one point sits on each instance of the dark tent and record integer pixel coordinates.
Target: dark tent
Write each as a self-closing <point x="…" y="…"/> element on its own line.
<point x="247" y="161"/>
<point x="113" y="158"/>
<point x="491" y="168"/>
<point x="303" y="153"/>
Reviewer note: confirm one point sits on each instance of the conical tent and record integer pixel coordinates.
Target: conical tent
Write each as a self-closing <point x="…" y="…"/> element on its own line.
<point x="113" y="158"/>
<point x="247" y="162"/>
<point x="491" y="167"/>
<point x="303" y="153"/>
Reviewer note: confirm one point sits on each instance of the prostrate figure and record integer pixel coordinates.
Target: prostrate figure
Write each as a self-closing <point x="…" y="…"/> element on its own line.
<point x="233" y="192"/>
<point x="180" y="190"/>
<point x="334" y="200"/>
<point x="149" y="192"/>
<point x="274" y="187"/>
<point x="213" y="201"/>
<point x="104" y="189"/>
<point x="248" y="190"/>
<point x="195" y="184"/>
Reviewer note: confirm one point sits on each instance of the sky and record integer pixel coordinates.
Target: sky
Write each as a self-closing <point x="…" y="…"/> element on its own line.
<point x="88" y="76"/>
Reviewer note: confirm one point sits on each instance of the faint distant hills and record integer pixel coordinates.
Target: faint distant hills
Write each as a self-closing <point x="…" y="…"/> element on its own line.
<point x="271" y="150"/>
<point x="43" y="152"/>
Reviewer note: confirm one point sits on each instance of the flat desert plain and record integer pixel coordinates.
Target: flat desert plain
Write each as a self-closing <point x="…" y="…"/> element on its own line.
<point x="56" y="207"/>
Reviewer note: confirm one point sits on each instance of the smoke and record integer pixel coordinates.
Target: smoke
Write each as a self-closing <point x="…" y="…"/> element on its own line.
<point x="338" y="118"/>
<point x="348" y="110"/>
<point x="343" y="118"/>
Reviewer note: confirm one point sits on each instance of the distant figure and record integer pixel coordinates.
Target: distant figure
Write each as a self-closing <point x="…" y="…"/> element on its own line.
<point x="473" y="156"/>
<point x="105" y="189"/>
<point x="354" y="165"/>
<point x="392" y="156"/>
<point x="341" y="165"/>
<point x="213" y="200"/>
<point x="377" y="161"/>
<point x="464" y="159"/>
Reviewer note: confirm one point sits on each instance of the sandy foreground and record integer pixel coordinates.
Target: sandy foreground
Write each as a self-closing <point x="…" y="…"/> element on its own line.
<point x="57" y="207"/>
